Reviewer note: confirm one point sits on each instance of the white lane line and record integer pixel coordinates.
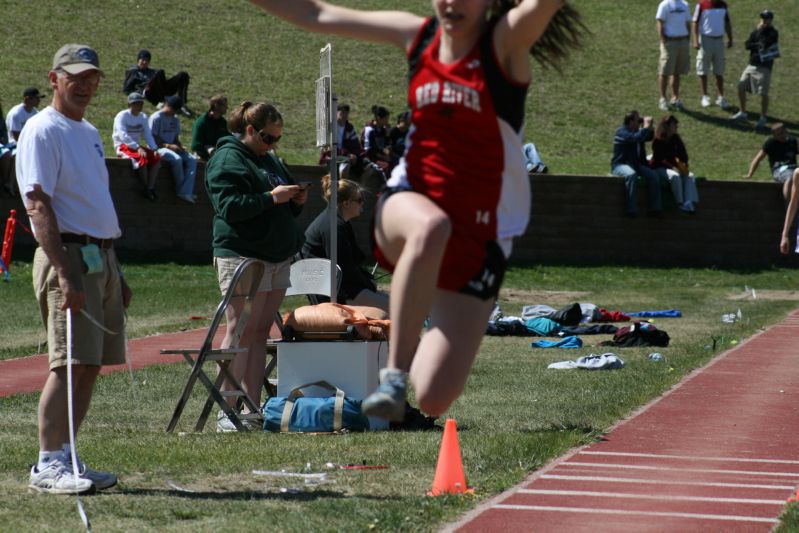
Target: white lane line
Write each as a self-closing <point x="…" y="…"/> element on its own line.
<point x="678" y="469"/>
<point x="728" y="518"/>
<point x="668" y="482"/>
<point x="692" y="457"/>
<point x="649" y="496"/>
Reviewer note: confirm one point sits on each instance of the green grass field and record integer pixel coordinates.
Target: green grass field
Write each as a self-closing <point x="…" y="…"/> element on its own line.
<point x="513" y="417"/>
<point x="233" y="48"/>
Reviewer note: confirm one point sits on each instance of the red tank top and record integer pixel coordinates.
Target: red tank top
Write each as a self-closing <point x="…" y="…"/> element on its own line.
<point x="464" y="147"/>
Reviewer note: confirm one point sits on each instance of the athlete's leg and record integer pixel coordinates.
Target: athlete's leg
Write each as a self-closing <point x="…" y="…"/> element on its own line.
<point x="446" y="352"/>
<point x="412" y="233"/>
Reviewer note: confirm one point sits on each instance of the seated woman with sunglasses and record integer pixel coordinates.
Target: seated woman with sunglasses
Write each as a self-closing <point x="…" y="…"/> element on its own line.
<point x="255" y="205"/>
<point x="357" y="284"/>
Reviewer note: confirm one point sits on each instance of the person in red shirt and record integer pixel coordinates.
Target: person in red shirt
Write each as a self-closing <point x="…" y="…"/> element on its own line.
<point x="446" y="221"/>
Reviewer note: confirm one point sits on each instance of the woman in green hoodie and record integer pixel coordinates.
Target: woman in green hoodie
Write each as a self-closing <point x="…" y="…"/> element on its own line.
<point x="256" y="204"/>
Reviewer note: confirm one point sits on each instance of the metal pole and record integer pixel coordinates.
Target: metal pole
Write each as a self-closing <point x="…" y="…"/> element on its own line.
<point x="333" y="206"/>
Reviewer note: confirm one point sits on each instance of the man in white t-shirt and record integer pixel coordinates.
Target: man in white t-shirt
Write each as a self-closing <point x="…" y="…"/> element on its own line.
<point x="166" y="130"/>
<point x="130" y="128"/>
<point x="711" y="21"/>
<point x="63" y="178"/>
<point x="20" y="113"/>
<point x="674" y="30"/>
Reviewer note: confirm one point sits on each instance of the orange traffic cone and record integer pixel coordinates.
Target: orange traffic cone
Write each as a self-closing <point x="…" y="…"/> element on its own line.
<point x="449" y="470"/>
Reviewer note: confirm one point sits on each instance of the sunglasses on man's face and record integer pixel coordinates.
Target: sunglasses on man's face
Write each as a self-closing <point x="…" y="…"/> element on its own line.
<point x="268" y="138"/>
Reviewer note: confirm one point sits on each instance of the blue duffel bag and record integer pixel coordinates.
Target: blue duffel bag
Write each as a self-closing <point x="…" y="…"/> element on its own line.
<point x="299" y="414"/>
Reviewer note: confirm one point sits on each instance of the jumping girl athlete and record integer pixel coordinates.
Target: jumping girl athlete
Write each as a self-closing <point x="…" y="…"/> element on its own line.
<point x="461" y="192"/>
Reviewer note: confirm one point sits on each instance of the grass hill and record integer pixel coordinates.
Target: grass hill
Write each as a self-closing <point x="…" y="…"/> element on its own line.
<point x="233" y="48"/>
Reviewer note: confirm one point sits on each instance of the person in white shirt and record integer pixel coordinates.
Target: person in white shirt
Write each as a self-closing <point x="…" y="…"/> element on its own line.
<point x="20" y="113"/>
<point x="63" y="179"/>
<point x="711" y="21"/>
<point x="166" y="131"/>
<point x="674" y="29"/>
<point x="130" y="127"/>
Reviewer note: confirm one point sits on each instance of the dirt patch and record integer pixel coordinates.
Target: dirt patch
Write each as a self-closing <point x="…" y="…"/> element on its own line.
<point x="533" y="297"/>
<point x="766" y="295"/>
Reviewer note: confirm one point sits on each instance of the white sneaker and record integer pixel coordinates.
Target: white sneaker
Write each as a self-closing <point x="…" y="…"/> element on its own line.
<point x="224" y="425"/>
<point x="101" y="480"/>
<point x="761" y="123"/>
<point x="740" y="115"/>
<point x="56" y="478"/>
<point x="722" y="103"/>
<point x="663" y="104"/>
<point x="705" y="101"/>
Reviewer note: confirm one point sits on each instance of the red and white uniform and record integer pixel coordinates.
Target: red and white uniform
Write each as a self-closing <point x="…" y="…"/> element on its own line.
<point x="464" y="151"/>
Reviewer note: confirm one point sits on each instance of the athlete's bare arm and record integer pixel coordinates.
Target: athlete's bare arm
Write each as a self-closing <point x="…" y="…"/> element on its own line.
<point x="394" y="27"/>
<point x="518" y="30"/>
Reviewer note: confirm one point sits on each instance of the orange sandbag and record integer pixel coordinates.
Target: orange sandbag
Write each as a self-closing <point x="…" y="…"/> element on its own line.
<point x="369" y="322"/>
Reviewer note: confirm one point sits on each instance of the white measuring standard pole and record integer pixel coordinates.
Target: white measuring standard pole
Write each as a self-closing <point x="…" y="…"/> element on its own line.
<point x="326" y="109"/>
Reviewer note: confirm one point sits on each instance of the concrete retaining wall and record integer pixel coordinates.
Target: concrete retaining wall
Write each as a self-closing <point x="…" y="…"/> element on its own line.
<point x="575" y="220"/>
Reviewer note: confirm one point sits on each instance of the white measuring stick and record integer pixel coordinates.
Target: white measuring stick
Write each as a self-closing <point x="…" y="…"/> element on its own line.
<point x="71" y="417"/>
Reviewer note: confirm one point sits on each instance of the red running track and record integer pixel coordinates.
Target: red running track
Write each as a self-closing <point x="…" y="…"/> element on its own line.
<point x="28" y="374"/>
<point x="718" y="452"/>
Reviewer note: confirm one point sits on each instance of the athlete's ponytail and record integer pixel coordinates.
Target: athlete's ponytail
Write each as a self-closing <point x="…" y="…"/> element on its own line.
<point x="565" y="32"/>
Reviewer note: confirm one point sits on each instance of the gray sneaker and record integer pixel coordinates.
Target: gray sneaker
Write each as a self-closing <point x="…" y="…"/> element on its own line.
<point x="56" y="478"/>
<point x="101" y="480"/>
<point x="388" y="400"/>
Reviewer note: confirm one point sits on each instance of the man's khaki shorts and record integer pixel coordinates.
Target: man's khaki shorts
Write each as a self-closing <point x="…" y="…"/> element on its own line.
<point x="710" y="57"/>
<point x="756" y="80"/>
<point x="675" y="57"/>
<point x="90" y="344"/>
<point x="276" y="275"/>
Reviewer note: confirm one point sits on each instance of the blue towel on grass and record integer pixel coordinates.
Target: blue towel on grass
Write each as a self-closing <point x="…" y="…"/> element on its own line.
<point x="542" y="326"/>
<point x="566" y="342"/>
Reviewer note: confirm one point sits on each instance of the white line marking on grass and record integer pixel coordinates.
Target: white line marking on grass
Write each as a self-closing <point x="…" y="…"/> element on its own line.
<point x="668" y="482"/>
<point x="658" y="497"/>
<point x="677" y="469"/>
<point x="728" y="518"/>
<point x="692" y="457"/>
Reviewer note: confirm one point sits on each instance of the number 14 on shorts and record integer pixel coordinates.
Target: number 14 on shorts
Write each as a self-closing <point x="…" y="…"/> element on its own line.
<point x="483" y="217"/>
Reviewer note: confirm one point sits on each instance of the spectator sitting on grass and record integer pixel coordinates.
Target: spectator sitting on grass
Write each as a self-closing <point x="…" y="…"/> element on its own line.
<point x="154" y="85"/>
<point x="347" y="144"/>
<point x="396" y="135"/>
<point x="209" y="128"/>
<point x="781" y="150"/>
<point x="670" y="157"/>
<point x="166" y="131"/>
<point x="130" y="128"/>
<point x="20" y="113"/>
<point x="629" y="162"/>
<point x="6" y="156"/>
<point x="374" y="138"/>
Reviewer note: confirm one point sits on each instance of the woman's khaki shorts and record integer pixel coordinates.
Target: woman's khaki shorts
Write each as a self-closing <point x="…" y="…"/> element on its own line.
<point x="90" y="344"/>
<point x="276" y="275"/>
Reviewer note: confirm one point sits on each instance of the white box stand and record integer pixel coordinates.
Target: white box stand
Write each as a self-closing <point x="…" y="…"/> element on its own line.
<point x="352" y="366"/>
